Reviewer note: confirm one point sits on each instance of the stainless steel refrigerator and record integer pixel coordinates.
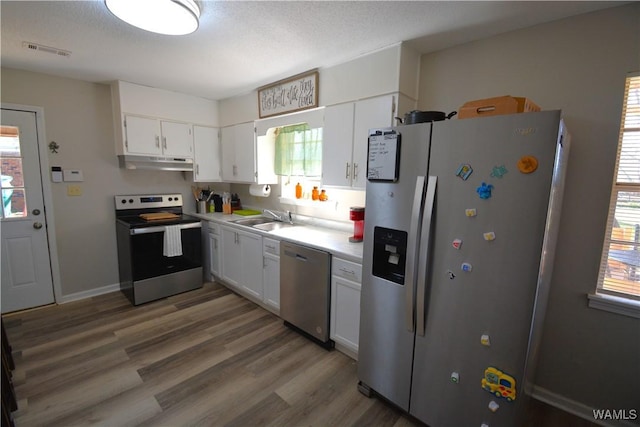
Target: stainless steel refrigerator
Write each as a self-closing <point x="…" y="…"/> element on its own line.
<point x="460" y="226"/>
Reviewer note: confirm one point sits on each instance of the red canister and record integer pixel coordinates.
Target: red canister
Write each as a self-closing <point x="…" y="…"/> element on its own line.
<point x="356" y="214"/>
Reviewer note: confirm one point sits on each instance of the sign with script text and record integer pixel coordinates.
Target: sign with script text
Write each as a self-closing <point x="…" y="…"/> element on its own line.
<point x="286" y="96"/>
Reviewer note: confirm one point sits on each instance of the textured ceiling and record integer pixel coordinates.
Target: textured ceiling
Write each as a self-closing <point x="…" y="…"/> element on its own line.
<point x="242" y="45"/>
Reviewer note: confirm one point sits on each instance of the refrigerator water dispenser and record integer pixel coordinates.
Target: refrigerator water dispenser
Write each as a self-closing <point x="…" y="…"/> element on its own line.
<point x="389" y="254"/>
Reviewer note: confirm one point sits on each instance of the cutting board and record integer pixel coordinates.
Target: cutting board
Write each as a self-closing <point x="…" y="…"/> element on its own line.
<point x="158" y="216"/>
<point x="247" y="212"/>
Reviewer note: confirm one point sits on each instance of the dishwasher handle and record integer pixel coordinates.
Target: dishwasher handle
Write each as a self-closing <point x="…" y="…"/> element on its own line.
<point x="295" y="255"/>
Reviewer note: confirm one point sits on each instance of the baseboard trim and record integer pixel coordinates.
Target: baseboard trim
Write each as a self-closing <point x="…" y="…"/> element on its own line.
<point x="576" y="408"/>
<point x="90" y="293"/>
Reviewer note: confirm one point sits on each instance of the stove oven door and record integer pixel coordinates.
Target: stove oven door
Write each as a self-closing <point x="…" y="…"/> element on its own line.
<point x="147" y="274"/>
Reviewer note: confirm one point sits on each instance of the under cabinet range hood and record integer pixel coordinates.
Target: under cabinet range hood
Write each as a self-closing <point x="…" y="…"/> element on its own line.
<point x="156" y="163"/>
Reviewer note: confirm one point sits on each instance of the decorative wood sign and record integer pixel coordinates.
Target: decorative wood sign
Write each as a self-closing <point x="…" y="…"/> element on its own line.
<point x="296" y="93"/>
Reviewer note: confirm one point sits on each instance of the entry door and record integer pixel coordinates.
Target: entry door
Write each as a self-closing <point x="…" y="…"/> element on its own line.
<point x="26" y="269"/>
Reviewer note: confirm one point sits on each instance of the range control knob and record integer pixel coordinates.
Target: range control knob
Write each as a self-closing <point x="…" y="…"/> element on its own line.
<point x="123" y="201"/>
<point x="130" y="200"/>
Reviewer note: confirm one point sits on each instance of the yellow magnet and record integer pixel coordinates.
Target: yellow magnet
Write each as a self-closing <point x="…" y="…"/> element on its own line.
<point x="527" y="164"/>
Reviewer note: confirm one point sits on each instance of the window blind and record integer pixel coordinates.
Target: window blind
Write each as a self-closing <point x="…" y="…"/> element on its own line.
<point x="620" y="265"/>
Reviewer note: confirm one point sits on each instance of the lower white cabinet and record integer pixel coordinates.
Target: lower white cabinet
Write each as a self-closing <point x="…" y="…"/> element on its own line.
<point x="213" y="252"/>
<point x="346" y="279"/>
<point x="271" y="273"/>
<point x="242" y="260"/>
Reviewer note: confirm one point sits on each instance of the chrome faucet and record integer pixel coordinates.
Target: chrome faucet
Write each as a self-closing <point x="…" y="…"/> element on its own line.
<point x="276" y="216"/>
<point x="289" y="216"/>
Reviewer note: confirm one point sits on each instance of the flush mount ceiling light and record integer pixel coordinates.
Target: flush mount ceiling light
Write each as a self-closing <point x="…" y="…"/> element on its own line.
<point x="172" y="17"/>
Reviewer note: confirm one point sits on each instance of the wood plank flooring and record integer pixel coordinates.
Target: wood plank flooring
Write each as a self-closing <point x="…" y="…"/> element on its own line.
<point x="207" y="357"/>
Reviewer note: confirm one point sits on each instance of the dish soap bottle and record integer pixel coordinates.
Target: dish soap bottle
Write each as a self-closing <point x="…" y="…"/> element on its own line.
<point x="298" y="191"/>
<point x="314" y="193"/>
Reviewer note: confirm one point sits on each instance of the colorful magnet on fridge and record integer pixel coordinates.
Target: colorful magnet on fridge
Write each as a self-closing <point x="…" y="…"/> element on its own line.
<point x="493" y="406"/>
<point x="484" y="191"/>
<point x="464" y="171"/>
<point x="527" y="164"/>
<point x="451" y="274"/>
<point x="466" y="267"/>
<point x="455" y="377"/>
<point x="489" y="236"/>
<point x="484" y="340"/>
<point x="456" y="243"/>
<point x="498" y="171"/>
<point x="499" y="383"/>
<point x="470" y="212"/>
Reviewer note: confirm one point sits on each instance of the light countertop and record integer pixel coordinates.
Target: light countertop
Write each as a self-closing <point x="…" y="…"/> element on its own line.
<point x="333" y="240"/>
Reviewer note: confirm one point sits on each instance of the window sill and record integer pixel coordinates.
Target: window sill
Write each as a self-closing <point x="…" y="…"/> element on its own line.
<point x="327" y="205"/>
<point x="613" y="304"/>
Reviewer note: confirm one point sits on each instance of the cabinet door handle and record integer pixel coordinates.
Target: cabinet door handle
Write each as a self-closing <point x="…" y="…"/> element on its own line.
<point x="164" y="142"/>
<point x="355" y="171"/>
<point x="157" y="141"/>
<point x="197" y="169"/>
<point x="347" y="176"/>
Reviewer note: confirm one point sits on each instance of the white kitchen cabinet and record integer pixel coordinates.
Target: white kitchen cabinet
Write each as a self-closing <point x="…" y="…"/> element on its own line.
<point x="346" y="278"/>
<point x="239" y="153"/>
<point x="271" y="273"/>
<point x="151" y="136"/>
<point x="213" y="251"/>
<point x="345" y="137"/>
<point x="206" y="151"/>
<point x="242" y="261"/>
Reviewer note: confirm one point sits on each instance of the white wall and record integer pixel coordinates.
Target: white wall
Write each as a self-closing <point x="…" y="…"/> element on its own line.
<point x="577" y="65"/>
<point x="78" y="117"/>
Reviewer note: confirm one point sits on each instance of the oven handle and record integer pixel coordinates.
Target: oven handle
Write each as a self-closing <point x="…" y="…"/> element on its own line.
<point x="160" y="229"/>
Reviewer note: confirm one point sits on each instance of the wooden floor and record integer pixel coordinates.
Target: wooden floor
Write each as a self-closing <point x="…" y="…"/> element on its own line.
<point x="207" y="357"/>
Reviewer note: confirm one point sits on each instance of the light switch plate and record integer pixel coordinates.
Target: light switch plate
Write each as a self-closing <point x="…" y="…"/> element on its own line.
<point x="74" y="190"/>
<point x="73" y="175"/>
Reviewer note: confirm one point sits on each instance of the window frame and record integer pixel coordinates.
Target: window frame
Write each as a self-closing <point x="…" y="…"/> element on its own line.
<point x="612" y="300"/>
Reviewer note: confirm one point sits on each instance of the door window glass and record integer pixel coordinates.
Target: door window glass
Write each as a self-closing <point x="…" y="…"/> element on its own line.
<point x="14" y="204"/>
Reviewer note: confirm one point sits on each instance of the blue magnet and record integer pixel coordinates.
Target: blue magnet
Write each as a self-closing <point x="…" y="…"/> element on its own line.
<point x="464" y="171"/>
<point x="498" y="171"/>
<point x="466" y="267"/>
<point x="484" y="191"/>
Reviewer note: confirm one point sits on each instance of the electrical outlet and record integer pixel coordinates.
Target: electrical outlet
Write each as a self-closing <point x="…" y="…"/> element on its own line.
<point x="74" y="190"/>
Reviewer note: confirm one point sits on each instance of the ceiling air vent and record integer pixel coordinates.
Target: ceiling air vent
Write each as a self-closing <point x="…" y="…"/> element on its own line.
<point x="40" y="48"/>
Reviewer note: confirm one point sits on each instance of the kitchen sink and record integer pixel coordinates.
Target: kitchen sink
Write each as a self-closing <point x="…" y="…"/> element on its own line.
<point x="271" y="226"/>
<point x="251" y="222"/>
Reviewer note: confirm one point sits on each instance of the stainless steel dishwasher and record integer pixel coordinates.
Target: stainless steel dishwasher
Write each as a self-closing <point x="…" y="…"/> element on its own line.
<point x="305" y="291"/>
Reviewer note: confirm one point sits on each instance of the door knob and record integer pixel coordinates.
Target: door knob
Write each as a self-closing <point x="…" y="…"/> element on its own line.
<point x="37" y="225"/>
<point x="36" y="211"/>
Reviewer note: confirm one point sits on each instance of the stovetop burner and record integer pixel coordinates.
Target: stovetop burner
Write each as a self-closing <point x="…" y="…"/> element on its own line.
<point x="134" y="221"/>
<point x="130" y="207"/>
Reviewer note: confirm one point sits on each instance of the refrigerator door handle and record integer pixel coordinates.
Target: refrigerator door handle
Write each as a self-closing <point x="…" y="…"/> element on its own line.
<point x="412" y="250"/>
<point x="424" y="255"/>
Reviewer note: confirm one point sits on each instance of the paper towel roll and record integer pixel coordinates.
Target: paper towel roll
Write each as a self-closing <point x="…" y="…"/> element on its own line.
<point x="260" y="190"/>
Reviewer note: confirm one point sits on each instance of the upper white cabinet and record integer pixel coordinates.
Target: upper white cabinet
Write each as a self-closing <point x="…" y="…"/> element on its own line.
<point x="155" y="122"/>
<point x="144" y="135"/>
<point x="206" y="150"/>
<point x="345" y="136"/>
<point x="238" y="153"/>
<point x="245" y="158"/>
<point x="337" y="145"/>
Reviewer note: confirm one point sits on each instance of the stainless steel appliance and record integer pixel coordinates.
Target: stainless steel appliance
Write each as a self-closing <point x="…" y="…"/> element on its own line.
<point x="159" y="247"/>
<point x="305" y="290"/>
<point x="462" y="217"/>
